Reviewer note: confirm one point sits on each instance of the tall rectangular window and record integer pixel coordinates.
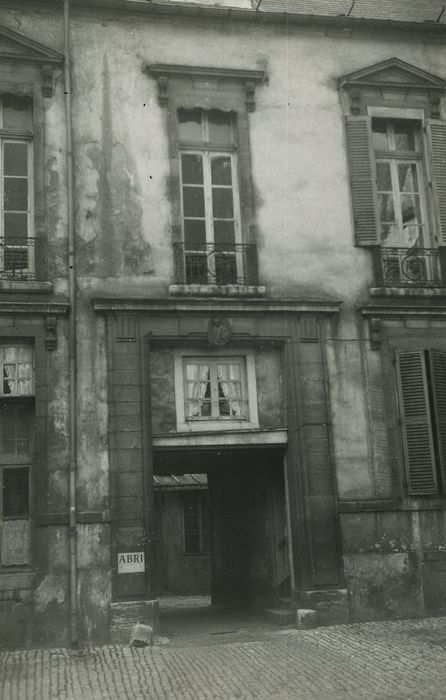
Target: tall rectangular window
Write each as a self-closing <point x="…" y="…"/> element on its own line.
<point x="400" y="183"/>
<point x="421" y="381"/>
<point x="16" y="195"/>
<point x="209" y="197"/>
<point x="196" y="522"/>
<point x="17" y="418"/>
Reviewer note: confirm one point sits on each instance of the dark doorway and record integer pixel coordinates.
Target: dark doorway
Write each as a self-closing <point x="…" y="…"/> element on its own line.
<point x="233" y="541"/>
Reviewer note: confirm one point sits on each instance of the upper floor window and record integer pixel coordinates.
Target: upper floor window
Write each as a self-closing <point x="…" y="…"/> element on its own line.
<point x="213" y="218"/>
<point x="400" y="180"/>
<point x="209" y="196"/>
<point x="16" y="364"/>
<point x="421" y="381"/>
<point x="396" y="146"/>
<point x="16" y="220"/>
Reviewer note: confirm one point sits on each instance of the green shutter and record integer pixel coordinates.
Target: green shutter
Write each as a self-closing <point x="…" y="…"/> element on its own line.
<point x="418" y="440"/>
<point x="362" y="178"/>
<point x="438" y="382"/>
<point x="436" y="131"/>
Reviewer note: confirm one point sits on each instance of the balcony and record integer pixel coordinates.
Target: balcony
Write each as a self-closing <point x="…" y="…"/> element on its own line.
<point x="216" y="264"/>
<point x="408" y="267"/>
<point x="18" y="259"/>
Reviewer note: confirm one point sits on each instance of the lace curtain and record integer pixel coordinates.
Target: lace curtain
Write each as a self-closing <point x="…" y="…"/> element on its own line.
<point x="17" y="371"/>
<point x="197" y="377"/>
<point x="230" y="384"/>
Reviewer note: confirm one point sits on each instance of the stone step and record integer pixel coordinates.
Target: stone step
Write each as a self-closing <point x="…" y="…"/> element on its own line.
<point x="280" y="616"/>
<point x="286" y="603"/>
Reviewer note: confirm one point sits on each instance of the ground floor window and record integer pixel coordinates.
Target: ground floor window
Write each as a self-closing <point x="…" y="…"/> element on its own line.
<point x="421" y="380"/>
<point x="15" y="516"/>
<point x="196" y="522"/>
<point x="17" y="419"/>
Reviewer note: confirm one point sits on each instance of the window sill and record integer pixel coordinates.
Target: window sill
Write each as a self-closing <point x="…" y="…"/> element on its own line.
<point x="25" y="286"/>
<point x="412" y="503"/>
<point x="216" y="290"/>
<point x="203" y="425"/>
<point x="407" y="291"/>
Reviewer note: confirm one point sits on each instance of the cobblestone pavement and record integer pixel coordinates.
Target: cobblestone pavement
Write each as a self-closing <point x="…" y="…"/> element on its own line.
<point x="403" y="659"/>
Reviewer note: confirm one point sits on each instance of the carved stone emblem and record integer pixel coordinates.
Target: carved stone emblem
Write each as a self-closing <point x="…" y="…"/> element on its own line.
<point x="219" y="331"/>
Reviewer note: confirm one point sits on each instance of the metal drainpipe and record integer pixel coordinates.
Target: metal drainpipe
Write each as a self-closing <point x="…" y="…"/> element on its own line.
<point x="72" y="330"/>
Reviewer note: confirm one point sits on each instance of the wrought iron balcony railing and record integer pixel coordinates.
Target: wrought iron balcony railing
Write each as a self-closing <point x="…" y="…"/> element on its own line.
<point x="18" y="258"/>
<point x="408" y="267"/>
<point x="216" y="264"/>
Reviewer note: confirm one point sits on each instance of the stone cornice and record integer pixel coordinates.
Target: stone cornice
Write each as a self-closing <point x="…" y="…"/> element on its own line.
<point x="232" y="14"/>
<point x="198" y="305"/>
<point x="28" y="50"/>
<point x="419" y="310"/>
<point x="337" y="22"/>
<point x="163" y="72"/>
<point x="32" y="308"/>
<point x="173" y="70"/>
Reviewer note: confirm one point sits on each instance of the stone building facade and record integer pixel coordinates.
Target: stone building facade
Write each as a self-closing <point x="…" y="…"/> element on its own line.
<point x="223" y="234"/>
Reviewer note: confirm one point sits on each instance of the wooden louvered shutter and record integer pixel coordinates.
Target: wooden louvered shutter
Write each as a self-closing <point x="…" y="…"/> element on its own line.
<point x="362" y="179"/>
<point x="436" y="131"/>
<point x="416" y="424"/>
<point x="438" y="382"/>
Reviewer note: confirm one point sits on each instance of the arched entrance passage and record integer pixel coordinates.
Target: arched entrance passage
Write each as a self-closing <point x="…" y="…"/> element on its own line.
<point x="235" y="525"/>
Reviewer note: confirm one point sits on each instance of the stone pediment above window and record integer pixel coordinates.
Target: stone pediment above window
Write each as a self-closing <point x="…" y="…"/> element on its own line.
<point x="203" y="83"/>
<point x="392" y="81"/>
<point x="16" y="48"/>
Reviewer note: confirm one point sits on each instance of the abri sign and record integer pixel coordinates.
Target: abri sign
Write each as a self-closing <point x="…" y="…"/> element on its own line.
<point x="131" y="562"/>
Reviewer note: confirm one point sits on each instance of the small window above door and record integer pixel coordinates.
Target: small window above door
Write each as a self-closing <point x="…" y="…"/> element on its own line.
<point x="215" y="392"/>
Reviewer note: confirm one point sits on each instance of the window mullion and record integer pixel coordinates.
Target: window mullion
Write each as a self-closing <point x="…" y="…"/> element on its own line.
<point x="396" y="194"/>
<point x="207" y="180"/>
<point x="200" y="525"/>
<point x="2" y="197"/>
<point x="214" y="389"/>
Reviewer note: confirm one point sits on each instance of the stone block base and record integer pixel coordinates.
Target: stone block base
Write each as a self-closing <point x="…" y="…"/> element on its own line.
<point x="331" y="605"/>
<point x="125" y="615"/>
<point x="306" y="619"/>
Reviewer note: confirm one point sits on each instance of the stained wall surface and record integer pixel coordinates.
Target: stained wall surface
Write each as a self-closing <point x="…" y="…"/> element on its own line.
<point x="305" y="245"/>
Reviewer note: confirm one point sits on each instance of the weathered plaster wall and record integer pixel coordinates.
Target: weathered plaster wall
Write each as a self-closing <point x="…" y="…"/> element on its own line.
<point x="299" y="169"/>
<point x="123" y="229"/>
<point x="162" y="391"/>
<point x="270" y="389"/>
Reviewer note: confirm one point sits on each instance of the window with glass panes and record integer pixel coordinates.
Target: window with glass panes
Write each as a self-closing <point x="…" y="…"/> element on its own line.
<point x="17" y="418"/>
<point x="17" y="255"/>
<point x="209" y="196"/>
<point x="400" y="183"/>
<point x="215" y="389"/>
<point x="196" y="522"/>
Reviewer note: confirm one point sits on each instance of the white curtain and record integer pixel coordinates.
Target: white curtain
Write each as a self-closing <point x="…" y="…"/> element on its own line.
<point x="197" y="383"/>
<point x="17" y="371"/>
<point x="15" y="542"/>
<point x="229" y="380"/>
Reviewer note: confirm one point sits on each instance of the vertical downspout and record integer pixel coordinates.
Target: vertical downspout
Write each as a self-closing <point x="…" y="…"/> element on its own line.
<point x="72" y="330"/>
